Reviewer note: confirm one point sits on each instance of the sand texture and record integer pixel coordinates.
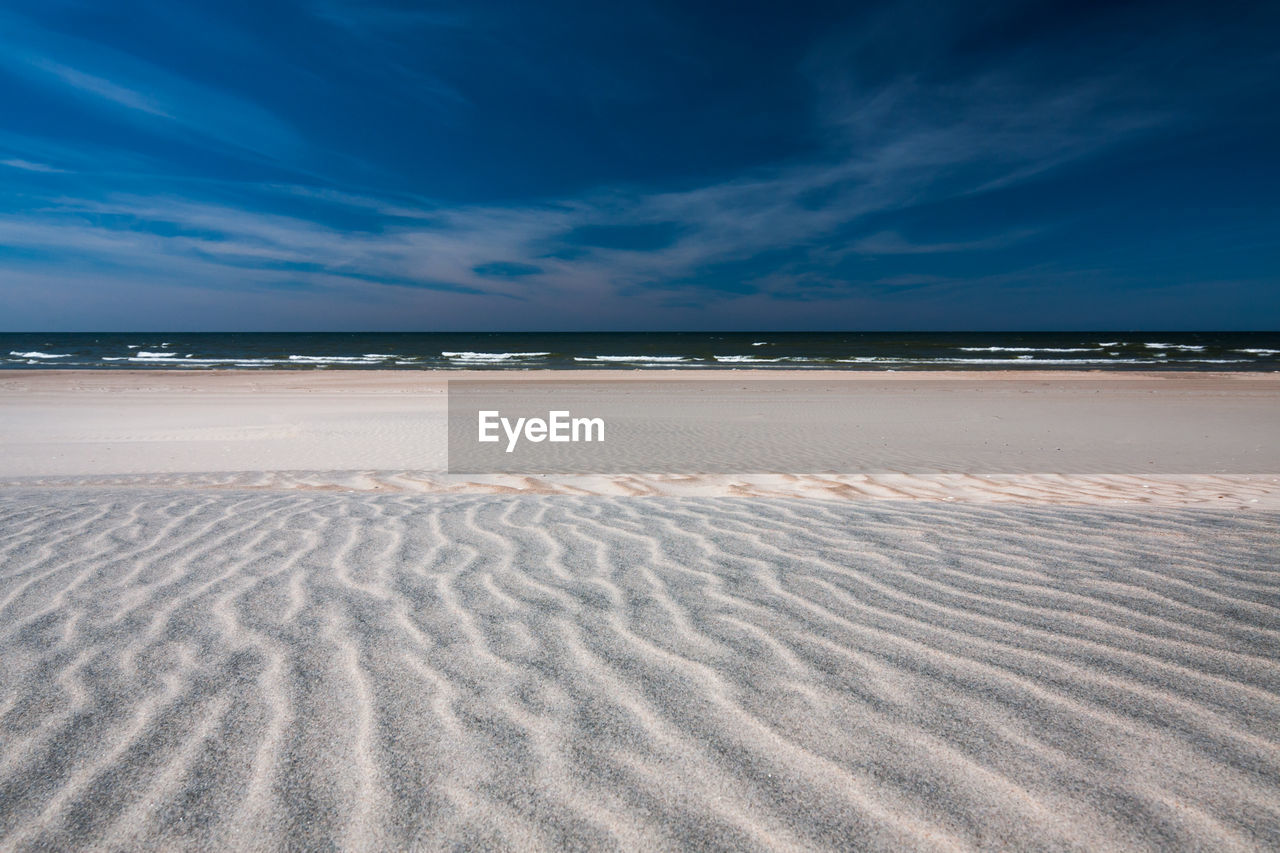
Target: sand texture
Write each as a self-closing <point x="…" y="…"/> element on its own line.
<point x="282" y="669"/>
<point x="1235" y="491"/>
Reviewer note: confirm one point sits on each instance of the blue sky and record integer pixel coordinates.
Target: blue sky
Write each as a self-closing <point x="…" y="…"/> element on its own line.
<point x="333" y="165"/>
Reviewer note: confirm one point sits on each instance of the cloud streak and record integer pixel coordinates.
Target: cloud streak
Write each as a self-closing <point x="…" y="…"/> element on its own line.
<point x="899" y="153"/>
<point x="139" y="91"/>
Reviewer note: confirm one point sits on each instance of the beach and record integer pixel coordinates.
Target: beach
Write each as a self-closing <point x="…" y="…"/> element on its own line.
<point x="257" y="610"/>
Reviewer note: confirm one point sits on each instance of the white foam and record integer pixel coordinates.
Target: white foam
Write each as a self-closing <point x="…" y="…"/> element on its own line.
<point x="1187" y="347"/>
<point x="759" y="343"/>
<point x="1025" y="360"/>
<point x="1020" y="361"/>
<point x="745" y="359"/>
<point x="1068" y="361"/>
<point x="190" y="361"/>
<point x="36" y="355"/>
<point x="1027" y="349"/>
<point x="476" y="357"/>
<point x="656" y="359"/>
<point x="1259" y="351"/>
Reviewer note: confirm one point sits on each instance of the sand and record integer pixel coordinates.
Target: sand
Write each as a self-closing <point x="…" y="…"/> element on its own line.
<point x="93" y="423"/>
<point x="349" y="651"/>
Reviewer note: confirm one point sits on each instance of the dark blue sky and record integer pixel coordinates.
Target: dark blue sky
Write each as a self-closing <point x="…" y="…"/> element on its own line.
<point x="333" y="165"/>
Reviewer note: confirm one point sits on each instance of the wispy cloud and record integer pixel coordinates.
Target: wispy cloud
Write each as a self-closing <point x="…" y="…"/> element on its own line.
<point x="846" y="220"/>
<point x="100" y="87"/>
<point x="574" y="248"/>
<point x="585" y="247"/>
<point x="161" y="100"/>
<point x="892" y="243"/>
<point x="30" y="166"/>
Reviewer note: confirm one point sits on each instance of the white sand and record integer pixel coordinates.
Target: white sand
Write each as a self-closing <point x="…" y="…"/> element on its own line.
<point x="912" y="434"/>
<point x="235" y="670"/>
<point x="250" y="611"/>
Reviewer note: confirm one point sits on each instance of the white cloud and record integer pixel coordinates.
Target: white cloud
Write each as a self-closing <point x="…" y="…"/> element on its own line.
<point x="100" y="87"/>
<point x="891" y="147"/>
<point x="159" y="99"/>
<point x="30" y="166"/>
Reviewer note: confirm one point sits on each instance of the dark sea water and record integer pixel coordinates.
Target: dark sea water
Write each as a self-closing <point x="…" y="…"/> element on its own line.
<point x="640" y="350"/>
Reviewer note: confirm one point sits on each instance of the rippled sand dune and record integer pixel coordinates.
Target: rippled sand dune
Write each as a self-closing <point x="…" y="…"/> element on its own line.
<point x="226" y="669"/>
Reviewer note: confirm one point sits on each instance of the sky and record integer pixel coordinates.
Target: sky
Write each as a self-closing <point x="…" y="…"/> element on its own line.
<point x="561" y="165"/>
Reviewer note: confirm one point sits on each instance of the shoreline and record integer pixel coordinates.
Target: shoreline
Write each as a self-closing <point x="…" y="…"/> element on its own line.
<point x="728" y="374"/>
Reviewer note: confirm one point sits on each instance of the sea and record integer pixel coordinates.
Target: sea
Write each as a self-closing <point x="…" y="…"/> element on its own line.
<point x="1204" y="351"/>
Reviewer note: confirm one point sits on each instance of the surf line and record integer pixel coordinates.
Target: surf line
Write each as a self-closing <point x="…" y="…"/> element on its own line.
<point x="557" y="427"/>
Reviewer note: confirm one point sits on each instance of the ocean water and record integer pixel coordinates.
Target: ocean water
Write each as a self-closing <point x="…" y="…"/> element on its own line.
<point x="645" y="350"/>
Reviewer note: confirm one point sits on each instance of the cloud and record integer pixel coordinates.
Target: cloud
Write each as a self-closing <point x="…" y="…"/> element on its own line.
<point x="896" y="138"/>
<point x="611" y="245"/>
<point x="100" y="87"/>
<point x="29" y="166"/>
<point x="136" y="90"/>
<point x="892" y="243"/>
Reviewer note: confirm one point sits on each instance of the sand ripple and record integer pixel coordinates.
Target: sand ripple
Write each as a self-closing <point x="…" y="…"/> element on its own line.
<point x="252" y="670"/>
<point x="1236" y="491"/>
